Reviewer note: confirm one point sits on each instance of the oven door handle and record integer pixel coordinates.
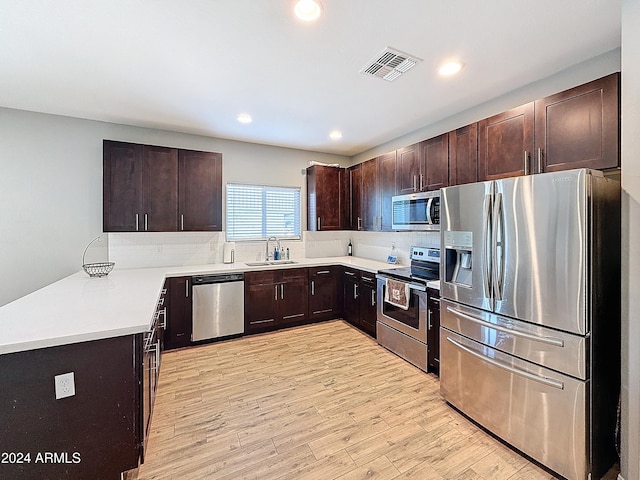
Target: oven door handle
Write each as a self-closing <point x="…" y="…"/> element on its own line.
<point x="412" y="286"/>
<point x="536" y="378"/>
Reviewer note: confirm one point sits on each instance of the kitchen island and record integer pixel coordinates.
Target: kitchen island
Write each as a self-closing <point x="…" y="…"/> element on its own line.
<point x="94" y="328"/>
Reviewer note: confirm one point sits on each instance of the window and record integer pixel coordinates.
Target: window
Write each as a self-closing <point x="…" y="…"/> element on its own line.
<point x="257" y="212"/>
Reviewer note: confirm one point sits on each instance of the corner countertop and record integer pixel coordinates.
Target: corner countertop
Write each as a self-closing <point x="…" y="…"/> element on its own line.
<point x="80" y="309"/>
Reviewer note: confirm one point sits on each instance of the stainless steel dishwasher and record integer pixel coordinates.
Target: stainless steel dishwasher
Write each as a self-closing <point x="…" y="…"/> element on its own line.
<point x="218" y="306"/>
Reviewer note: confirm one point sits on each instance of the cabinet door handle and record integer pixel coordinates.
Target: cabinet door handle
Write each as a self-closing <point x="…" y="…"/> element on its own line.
<point x="421" y="187"/>
<point x="355" y="290"/>
<point x="350" y="273"/>
<point x="318" y="224"/>
<point x="137" y="223"/>
<point x="429" y="319"/>
<point x="415" y="183"/>
<point x="359" y="223"/>
<point x="276" y="292"/>
<point x="526" y="162"/>
<point x="182" y="221"/>
<point x="313" y="287"/>
<point x="186" y="288"/>
<point x="163" y="312"/>
<point x="282" y="291"/>
<point x="539" y="160"/>
<point x="146" y="222"/>
<point x="373" y="298"/>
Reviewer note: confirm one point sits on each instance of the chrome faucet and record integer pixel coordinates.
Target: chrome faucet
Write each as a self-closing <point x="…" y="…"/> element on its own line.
<point x="268" y="253"/>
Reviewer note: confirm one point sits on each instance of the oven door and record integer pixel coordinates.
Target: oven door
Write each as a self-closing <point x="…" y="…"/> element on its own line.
<point x="411" y="322"/>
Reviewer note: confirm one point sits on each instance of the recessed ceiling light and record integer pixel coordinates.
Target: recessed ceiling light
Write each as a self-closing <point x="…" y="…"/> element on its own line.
<point x="335" y="135"/>
<point x="245" y="118"/>
<point x="307" y="10"/>
<point x="450" y="68"/>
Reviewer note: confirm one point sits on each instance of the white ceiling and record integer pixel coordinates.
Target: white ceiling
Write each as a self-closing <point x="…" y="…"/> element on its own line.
<point x="194" y="65"/>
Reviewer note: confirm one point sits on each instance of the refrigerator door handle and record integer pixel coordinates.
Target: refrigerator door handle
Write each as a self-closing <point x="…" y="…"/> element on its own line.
<point x="497" y="253"/>
<point x="486" y="249"/>
<point x="556" y="342"/>
<point x="536" y="378"/>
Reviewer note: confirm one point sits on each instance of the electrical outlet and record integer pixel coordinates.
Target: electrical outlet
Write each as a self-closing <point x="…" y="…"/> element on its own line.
<point x="65" y="385"/>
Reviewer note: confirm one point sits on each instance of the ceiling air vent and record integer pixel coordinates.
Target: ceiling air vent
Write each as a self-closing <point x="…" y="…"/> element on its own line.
<point x="390" y="64"/>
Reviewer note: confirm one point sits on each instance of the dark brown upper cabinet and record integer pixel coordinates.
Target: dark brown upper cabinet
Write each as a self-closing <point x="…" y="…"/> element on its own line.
<point x="408" y="169"/>
<point x="373" y="183"/>
<point x="140" y="188"/>
<point x="370" y="191"/>
<point x="576" y="128"/>
<point x="200" y="191"/>
<point x="423" y="166"/>
<point x="463" y="155"/>
<point x="122" y="189"/>
<point x="325" y="198"/>
<point x="579" y="128"/>
<point x="160" y="189"/>
<point x="434" y="158"/>
<point x="387" y="184"/>
<point x="505" y="143"/>
<point x="355" y="197"/>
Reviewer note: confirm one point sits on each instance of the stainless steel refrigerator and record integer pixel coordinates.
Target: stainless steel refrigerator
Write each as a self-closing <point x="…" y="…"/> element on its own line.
<point x="530" y="315"/>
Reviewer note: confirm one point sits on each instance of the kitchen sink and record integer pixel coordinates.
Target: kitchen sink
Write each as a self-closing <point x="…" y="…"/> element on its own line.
<point x="271" y="262"/>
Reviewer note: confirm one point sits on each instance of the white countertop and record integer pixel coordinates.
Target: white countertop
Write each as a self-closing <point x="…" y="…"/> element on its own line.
<point x="79" y="308"/>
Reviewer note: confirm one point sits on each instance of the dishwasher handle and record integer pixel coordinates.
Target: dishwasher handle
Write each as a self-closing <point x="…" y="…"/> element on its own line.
<point x="217" y="278"/>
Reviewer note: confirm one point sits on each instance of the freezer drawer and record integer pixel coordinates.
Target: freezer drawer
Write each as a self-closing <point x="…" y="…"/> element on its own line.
<point x="538" y="411"/>
<point x="560" y="351"/>
<point x="402" y="345"/>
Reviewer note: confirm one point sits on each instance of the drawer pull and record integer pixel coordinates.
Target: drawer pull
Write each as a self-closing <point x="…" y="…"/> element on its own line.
<point x="556" y="342"/>
<point x="536" y="378"/>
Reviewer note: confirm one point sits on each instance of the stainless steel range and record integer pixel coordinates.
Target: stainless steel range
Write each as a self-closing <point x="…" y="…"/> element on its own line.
<point x="402" y="305"/>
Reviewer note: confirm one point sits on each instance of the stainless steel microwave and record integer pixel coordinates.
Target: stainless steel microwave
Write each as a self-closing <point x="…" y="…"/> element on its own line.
<point x="416" y="211"/>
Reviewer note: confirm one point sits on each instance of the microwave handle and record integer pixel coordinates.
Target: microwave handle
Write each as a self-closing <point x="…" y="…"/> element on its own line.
<point x="429" y="210"/>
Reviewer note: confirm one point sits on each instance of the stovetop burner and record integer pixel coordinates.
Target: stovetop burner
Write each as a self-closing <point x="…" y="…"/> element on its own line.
<point x="425" y="266"/>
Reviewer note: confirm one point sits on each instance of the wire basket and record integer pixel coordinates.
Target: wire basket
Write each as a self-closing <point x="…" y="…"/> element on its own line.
<point x="101" y="269"/>
<point x="98" y="269"/>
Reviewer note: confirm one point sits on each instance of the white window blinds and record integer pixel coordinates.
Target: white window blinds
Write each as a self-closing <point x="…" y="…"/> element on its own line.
<point x="257" y="212"/>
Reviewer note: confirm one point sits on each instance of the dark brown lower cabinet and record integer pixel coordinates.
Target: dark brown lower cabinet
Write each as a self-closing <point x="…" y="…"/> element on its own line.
<point x="179" y="313"/>
<point x="351" y="296"/>
<point x="323" y="293"/>
<point x="274" y="299"/>
<point x="368" y="303"/>
<point x="433" y="331"/>
<point x="92" y="434"/>
<point x="359" y="299"/>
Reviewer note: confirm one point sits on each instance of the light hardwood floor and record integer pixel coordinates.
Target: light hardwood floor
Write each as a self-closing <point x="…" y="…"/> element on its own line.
<point x="321" y="402"/>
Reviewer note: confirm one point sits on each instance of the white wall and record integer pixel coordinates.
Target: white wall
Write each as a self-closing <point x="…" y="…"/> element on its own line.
<point x="630" y="456"/>
<point x="51" y="187"/>
<point x="576" y="75"/>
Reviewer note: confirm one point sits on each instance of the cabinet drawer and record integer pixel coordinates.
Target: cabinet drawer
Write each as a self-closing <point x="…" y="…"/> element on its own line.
<point x="319" y="272"/>
<point x="352" y="273"/>
<point x="264" y="277"/>
<point x="293" y="274"/>
<point x="368" y="278"/>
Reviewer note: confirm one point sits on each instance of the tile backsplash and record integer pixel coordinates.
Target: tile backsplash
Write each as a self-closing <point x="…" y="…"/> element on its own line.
<point x="141" y="250"/>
